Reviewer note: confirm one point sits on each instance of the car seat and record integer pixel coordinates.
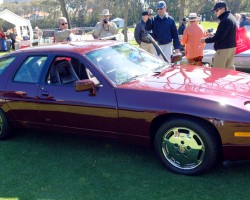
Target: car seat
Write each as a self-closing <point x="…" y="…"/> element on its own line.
<point x="64" y="73"/>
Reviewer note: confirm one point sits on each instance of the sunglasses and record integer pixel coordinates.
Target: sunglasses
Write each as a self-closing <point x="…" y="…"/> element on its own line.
<point x="64" y="23"/>
<point x="160" y="9"/>
<point x="217" y="10"/>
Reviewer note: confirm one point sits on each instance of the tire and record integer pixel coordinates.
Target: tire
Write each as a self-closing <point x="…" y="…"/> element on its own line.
<point x="4" y="126"/>
<point x="187" y="146"/>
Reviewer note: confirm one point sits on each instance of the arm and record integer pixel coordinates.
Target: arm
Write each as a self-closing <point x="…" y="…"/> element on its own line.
<point x="98" y="29"/>
<point x="220" y="33"/>
<point x="184" y="38"/>
<point x="137" y="34"/>
<point x="175" y="36"/>
<point x="113" y="28"/>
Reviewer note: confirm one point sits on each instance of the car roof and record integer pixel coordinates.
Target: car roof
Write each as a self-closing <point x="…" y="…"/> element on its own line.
<point x="81" y="47"/>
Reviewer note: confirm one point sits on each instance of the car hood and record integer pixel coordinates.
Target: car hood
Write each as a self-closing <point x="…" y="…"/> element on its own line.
<point x="197" y="81"/>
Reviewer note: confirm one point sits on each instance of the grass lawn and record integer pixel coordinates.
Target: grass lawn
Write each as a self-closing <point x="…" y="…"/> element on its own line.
<point x="56" y="166"/>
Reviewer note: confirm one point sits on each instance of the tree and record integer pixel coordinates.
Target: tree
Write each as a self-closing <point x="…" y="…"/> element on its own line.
<point x="64" y="11"/>
<point x="182" y="10"/>
<point x="126" y="3"/>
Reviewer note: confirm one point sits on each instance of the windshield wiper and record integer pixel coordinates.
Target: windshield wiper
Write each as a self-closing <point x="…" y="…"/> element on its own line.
<point x="133" y="78"/>
<point x="158" y="69"/>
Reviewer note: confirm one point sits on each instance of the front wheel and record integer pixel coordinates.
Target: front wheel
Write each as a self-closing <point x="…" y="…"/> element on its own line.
<point x="4" y="126"/>
<point x="187" y="146"/>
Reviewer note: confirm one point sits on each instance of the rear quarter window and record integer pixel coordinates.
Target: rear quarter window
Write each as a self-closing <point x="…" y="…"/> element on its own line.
<point x="5" y="63"/>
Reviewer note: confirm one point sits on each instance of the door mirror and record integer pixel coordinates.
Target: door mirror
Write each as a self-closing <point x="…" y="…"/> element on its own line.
<point x="83" y="85"/>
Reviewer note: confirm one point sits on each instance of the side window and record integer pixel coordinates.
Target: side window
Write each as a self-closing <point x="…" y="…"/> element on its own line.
<point x="4" y="63"/>
<point x="67" y="70"/>
<point x="30" y="70"/>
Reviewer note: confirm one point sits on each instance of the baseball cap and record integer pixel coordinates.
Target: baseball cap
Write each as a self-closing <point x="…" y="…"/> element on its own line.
<point x="220" y="4"/>
<point x="160" y="5"/>
<point x="144" y="13"/>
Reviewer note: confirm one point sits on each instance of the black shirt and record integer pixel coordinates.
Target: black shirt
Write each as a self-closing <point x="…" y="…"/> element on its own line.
<point x="225" y="36"/>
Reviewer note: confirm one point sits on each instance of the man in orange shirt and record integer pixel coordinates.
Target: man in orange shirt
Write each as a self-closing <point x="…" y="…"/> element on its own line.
<point x="191" y="39"/>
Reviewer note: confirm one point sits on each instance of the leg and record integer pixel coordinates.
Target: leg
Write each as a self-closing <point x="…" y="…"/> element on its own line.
<point x="230" y="61"/>
<point x="219" y="60"/>
<point x="167" y="50"/>
<point x="152" y="50"/>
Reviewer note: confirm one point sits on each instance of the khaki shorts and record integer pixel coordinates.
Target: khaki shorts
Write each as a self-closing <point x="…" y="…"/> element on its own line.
<point x="223" y="58"/>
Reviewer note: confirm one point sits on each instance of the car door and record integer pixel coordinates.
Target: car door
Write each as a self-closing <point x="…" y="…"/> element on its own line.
<point x="65" y="109"/>
<point x="21" y="90"/>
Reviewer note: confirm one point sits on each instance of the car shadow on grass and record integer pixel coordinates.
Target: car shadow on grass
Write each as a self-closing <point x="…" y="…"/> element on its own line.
<point x="99" y="146"/>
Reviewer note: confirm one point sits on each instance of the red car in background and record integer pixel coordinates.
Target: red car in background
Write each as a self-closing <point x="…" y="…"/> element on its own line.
<point x="193" y="116"/>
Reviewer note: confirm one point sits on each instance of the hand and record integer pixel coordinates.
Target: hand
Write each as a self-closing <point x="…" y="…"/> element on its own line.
<point x="177" y="51"/>
<point x="210" y="34"/>
<point x="203" y="40"/>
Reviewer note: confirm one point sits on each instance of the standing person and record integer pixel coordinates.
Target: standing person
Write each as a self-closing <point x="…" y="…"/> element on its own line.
<point x="164" y="30"/>
<point x="2" y="34"/>
<point x="150" y="13"/>
<point x="182" y="26"/>
<point x="140" y="35"/>
<point x="39" y="34"/>
<point x="244" y="21"/>
<point x="2" y="39"/>
<point x="105" y="28"/>
<point x="63" y="34"/>
<point x="191" y="39"/>
<point x="13" y="35"/>
<point x="225" y="37"/>
<point x="238" y="19"/>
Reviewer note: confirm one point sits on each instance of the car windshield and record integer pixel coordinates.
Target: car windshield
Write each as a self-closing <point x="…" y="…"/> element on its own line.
<point x="4" y="63"/>
<point x="124" y="63"/>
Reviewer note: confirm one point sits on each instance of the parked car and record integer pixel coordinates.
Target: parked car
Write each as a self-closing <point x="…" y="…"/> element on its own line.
<point x="193" y="116"/>
<point x="241" y="60"/>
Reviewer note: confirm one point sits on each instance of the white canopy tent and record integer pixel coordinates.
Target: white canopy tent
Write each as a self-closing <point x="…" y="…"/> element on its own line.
<point x="119" y="22"/>
<point x="18" y="21"/>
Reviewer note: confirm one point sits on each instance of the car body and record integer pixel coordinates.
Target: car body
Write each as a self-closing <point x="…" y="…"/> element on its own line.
<point x="191" y="115"/>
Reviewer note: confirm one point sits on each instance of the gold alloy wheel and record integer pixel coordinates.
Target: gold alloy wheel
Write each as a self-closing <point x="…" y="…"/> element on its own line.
<point x="183" y="148"/>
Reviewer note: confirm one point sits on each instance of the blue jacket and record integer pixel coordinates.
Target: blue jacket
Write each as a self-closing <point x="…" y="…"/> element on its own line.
<point x="140" y="33"/>
<point x="164" y="30"/>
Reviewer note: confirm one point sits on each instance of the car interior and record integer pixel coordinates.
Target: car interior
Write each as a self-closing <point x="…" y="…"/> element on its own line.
<point x="65" y="70"/>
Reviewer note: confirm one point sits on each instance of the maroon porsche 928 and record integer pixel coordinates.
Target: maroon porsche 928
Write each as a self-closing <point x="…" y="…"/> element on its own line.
<point x="193" y="116"/>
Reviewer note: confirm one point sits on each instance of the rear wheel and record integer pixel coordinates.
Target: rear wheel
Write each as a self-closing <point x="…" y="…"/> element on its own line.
<point x="187" y="146"/>
<point x="4" y="126"/>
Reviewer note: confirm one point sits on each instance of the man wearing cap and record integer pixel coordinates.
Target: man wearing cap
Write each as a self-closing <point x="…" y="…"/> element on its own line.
<point x="105" y="28"/>
<point x="225" y="37"/>
<point x="191" y="39"/>
<point x="182" y="26"/>
<point x="164" y="30"/>
<point x="140" y="35"/>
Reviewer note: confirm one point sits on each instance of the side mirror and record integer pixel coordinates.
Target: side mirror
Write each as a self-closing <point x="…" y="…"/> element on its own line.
<point x="83" y="85"/>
